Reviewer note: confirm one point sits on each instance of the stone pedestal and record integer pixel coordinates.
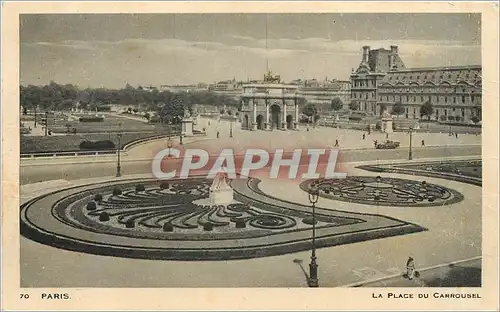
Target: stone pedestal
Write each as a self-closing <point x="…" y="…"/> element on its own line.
<point x="187" y="127"/>
<point x="254" y="126"/>
<point x="387" y="125"/>
<point x="220" y="193"/>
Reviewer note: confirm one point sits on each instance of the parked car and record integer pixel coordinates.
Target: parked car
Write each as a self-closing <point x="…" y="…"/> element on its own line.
<point x="387" y="144"/>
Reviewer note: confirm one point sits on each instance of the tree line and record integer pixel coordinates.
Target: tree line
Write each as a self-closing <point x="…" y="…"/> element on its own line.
<point x="56" y="96"/>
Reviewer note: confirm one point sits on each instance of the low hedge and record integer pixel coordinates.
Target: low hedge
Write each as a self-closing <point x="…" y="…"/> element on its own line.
<point x="91" y="119"/>
<point x="97" y="145"/>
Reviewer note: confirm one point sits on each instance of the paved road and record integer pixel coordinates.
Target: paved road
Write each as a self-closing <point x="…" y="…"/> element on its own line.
<point x="53" y="169"/>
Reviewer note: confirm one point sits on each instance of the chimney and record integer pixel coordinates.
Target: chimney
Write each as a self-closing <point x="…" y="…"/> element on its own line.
<point x="366" y="52"/>
<point x="392" y="56"/>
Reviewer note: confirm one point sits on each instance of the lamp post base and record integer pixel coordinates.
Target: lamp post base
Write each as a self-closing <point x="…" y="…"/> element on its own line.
<point x="312" y="281"/>
<point x="118" y="172"/>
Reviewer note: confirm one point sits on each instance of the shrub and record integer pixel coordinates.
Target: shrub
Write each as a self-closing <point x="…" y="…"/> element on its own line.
<point x="355" y="118"/>
<point x="91" y="119"/>
<point x="451" y="118"/>
<point x="140" y="188"/>
<point x="442" y="118"/>
<point x="117" y="191"/>
<point x="91" y="206"/>
<point x="208" y="226"/>
<point x="164" y="185"/>
<point x="98" y="198"/>
<point x="130" y="224"/>
<point x="97" y="145"/>
<point x="240" y="223"/>
<point x="104" y="216"/>
<point x="167" y="227"/>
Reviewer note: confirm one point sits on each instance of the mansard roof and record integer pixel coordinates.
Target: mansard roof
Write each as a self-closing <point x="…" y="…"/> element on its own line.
<point x="435" y="76"/>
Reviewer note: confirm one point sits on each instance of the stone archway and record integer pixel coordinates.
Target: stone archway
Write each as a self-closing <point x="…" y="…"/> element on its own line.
<point x="275" y="116"/>
<point x="260" y="122"/>
<point x="246" y="124"/>
<point x="289" y="122"/>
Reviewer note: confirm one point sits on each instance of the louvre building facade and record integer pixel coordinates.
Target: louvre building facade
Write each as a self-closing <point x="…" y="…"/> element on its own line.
<point x="382" y="80"/>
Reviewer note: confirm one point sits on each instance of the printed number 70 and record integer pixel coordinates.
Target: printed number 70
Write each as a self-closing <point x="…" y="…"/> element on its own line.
<point x="25" y="296"/>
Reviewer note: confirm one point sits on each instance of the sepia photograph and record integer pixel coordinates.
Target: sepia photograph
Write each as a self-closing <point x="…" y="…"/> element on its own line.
<point x="252" y="150"/>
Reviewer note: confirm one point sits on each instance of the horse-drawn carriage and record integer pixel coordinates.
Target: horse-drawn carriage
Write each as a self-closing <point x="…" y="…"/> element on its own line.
<point x="387" y="144"/>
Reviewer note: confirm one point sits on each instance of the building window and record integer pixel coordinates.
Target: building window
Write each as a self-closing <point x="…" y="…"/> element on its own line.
<point x="454" y="99"/>
<point x="421" y="99"/>
<point x="463" y="98"/>
<point x="453" y="108"/>
<point x="463" y="112"/>
<point x="445" y="112"/>
<point x="441" y="77"/>
<point x="433" y="76"/>
<point x="425" y="77"/>
<point x="437" y="99"/>
<point x="411" y="77"/>
<point x="414" y="98"/>
<point x="472" y="98"/>
<point x="446" y="99"/>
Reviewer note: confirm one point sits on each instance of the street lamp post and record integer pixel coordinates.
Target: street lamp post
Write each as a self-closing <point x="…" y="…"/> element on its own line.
<point x="180" y="118"/>
<point x="231" y="128"/>
<point x="313" y="266"/>
<point x="36" y="108"/>
<point x="410" y="155"/>
<point x="118" y="166"/>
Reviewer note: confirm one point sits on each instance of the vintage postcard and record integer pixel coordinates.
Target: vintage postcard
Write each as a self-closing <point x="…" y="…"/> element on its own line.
<point x="239" y="155"/>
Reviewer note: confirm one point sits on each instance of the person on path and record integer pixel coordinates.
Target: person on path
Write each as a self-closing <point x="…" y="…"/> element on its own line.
<point x="387" y="136"/>
<point x="423" y="143"/>
<point x="410" y="268"/>
<point x="364" y="136"/>
<point x="456" y="135"/>
<point x="217" y="134"/>
<point x="337" y="143"/>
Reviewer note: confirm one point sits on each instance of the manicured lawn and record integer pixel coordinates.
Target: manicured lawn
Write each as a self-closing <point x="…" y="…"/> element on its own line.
<point x="110" y="124"/>
<point x="70" y="142"/>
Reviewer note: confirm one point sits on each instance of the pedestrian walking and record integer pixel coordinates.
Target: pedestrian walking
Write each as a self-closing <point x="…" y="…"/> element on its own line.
<point x="410" y="268"/>
<point x="456" y="135"/>
<point x="387" y="136"/>
<point x="336" y="143"/>
<point x="423" y="143"/>
<point x="364" y="136"/>
<point x="217" y="134"/>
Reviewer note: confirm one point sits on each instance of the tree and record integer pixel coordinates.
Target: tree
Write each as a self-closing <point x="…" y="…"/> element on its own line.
<point x="129" y="110"/>
<point x="173" y="110"/>
<point x="451" y="118"/>
<point x="230" y="113"/>
<point x="222" y="111"/>
<point x="310" y="110"/>
<point x="147" y="116"/>
<point x="398" y="109"/>
<point x="475" y="119"/>
<point x="25" y="110"/>
<point x="354" y="105"/>
<point x="337" y="104"/>
<point x="427" y="110"/>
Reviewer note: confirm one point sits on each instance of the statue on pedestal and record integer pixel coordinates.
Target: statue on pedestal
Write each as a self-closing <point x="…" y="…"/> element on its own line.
<point x="221" y="192"/>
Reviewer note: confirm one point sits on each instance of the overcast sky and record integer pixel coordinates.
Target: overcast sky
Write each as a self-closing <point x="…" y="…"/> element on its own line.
<point x="112" y="50"/>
